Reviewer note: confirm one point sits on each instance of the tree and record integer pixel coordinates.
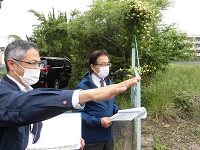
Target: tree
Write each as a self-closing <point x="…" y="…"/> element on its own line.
<point x="52" y="34"/>
<point x="112" y="25"/>
<point x="158" y="44"/>
<point x="13" y="36"/>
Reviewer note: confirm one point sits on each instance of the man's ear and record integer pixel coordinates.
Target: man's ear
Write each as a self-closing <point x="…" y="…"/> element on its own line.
<point x="10" y="64"/>
<point x="92" y="66"/>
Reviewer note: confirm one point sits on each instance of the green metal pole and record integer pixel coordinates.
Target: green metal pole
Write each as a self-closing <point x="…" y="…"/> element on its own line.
<point x="133" y="67"/>
<point x="136" y="98"/>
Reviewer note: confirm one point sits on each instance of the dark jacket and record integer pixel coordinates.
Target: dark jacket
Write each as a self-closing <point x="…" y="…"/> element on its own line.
<point x="92" y="130"/>
<point x="20" y="109"/>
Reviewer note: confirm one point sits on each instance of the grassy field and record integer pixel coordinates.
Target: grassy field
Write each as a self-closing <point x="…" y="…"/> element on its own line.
<point x="172" y="100"/>
<point x="175" y="88"/>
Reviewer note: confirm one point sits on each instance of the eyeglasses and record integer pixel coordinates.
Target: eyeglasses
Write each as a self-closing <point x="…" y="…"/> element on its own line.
<point x="104" y="64"/>
<point x="32" y="64"/>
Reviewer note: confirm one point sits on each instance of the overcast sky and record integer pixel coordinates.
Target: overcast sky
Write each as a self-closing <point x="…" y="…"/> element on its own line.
<point x="186" y="14"/>
<point x="14" y="18"/>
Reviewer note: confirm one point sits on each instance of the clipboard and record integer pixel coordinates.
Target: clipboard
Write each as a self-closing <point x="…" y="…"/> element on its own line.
<point x="60" y="132"/>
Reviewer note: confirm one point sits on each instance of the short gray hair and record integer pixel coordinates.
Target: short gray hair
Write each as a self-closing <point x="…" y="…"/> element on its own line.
<point x="17" y="49"/>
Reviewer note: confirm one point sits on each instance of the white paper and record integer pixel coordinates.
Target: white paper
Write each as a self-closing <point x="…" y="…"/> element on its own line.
<point x="61" y="132"/>
<point x="129" y="114"/>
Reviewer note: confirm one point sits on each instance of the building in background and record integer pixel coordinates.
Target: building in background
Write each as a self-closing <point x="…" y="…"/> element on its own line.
<point x="196" y="44"/>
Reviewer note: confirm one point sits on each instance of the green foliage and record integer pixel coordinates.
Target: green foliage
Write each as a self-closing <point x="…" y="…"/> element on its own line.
<point x="3" y="74"/>
<point x="184" y="101"/>
<point x="13" y="36"/>
<point x="172" y="90"/>
<point x="121" y="74"/>
<point x="154" y="94"/>
<point x="139" y="17"/>
<point x="51" y="34"/>
<point x="197" y="131"/>
<point x="170" y="43"/>
<point x="112" y="25"/>
<point x="99" y="28"/>
<point x="123" y="100"/>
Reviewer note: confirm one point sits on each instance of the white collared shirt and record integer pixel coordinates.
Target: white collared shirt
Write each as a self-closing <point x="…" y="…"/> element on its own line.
<point x="97" y="80"/>
<point x="21" y="87"/>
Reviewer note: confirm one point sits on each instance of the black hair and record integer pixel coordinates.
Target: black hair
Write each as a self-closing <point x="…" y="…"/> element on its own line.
<point x="94" y="56"/>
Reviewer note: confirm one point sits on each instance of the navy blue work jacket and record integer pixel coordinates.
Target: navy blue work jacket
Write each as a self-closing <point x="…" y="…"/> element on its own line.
<point x="92" y="130"/>
<point x="20" y="109"/>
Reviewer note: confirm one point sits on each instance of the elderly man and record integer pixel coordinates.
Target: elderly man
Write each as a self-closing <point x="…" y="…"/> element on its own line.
<point x="20" y="105"/>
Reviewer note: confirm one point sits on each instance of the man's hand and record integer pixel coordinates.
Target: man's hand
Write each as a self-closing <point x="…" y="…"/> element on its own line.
<point x="106" y="122"/>
<point x="82" y="143"/>
<point x="107" y="92"/>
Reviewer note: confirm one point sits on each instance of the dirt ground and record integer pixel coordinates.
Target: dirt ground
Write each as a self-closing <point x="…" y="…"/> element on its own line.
<point x="179" y="135"/>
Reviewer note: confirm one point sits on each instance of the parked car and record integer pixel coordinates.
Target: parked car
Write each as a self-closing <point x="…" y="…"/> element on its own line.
<point x="56" y="72"/>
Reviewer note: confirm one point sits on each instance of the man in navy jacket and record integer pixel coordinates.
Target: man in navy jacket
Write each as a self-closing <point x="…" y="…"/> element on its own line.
<point x="97" y="129"/>
<point x="21" y="106"/>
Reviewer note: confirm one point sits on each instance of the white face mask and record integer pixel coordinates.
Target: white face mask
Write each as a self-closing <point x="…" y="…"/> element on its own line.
<point x="103" y="72"/>
<point x="31" y="76"/>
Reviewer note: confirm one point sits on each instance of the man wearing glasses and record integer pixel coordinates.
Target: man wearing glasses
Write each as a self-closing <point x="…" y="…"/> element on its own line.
<point x="97" y="129"/>
<point x="21" y="106"/>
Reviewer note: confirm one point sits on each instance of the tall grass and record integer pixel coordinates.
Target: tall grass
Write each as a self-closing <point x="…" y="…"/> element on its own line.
<point x="167" y="94"/>
<point x="177" y="82"/>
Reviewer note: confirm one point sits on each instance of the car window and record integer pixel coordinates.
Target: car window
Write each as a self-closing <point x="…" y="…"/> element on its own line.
<point x="67" y="63"/>
<point x="44" y="62"/>
<point x="57" y="63"/>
